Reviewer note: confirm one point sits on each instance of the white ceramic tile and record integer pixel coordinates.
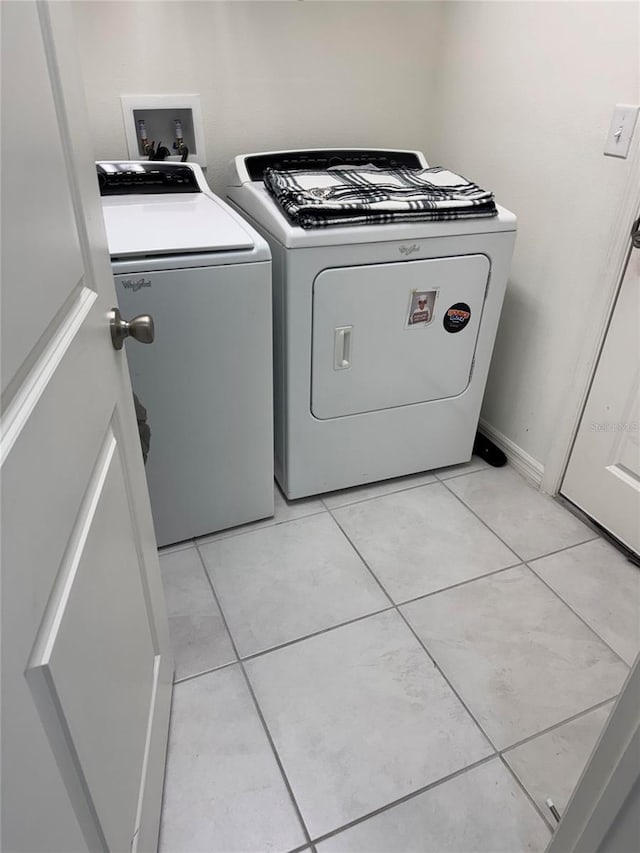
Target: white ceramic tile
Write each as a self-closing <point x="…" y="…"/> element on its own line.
<point x="480" y="811"/>
<point x="223" y="789"/>
<point x="361" y="717"/>
<point x="550" y="765"/>
<point x="531" y="523"/>
<point x="520" y="659"/>
<point x="422" y="540"/>
<point x="474" y="464"/>
<point x="284" y="510"/>
<point x="279" y="584"/>
<point x="199" y="638"/>
<point x="603" y="587"/>
<point x="374" y="490"/>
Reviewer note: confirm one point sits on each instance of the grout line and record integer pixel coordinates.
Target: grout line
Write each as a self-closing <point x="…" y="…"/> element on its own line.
<point x="481" y="520"/>
<point x="577" y="716"/>
<point x="487" y="467"/>
<point x="514" y="776"/>
<point x="260" y="714"/>
<point x="383" y="495"/>
<point x="327" y="630"/>
<point x="461" y="583"/>
<point x="506" y="544"/>
<point x="575" y="613"/>
<point x="560" y="550"/>
<point x="265" y="524"/>
<point x="412" y="795"/>
<point x="429" y="655"/>
<point x="366" y="564"/>
<point x="205" y="672"/>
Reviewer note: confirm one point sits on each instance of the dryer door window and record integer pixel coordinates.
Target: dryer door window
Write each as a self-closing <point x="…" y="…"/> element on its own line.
<point x="389" y="335"/>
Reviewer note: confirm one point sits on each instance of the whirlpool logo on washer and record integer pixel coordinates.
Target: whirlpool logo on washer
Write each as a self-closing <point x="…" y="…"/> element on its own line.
<point x="135" y="284"/>
<point x="409" y="250"/>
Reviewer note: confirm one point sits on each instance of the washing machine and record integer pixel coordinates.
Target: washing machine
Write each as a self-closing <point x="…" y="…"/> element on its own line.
<point x="180" y="254"/>
<point x="382" y="333"/>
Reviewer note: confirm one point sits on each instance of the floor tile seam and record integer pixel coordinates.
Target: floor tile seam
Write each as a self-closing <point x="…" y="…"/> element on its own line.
<point x="423" y="646"/>
<point x="460" y="474"/>
<point x="365" y="563"/>
<point x="217" y="668"/>
<point x="319" y="633"/>
<point x="560" y="550"/>
<point x="457" y="585"/>
<point x="522" y="558"/>
<point x="384" y="495"/>
<point x="578" y="616"/>
<point x="405" y="798"/>
<point x="264" y="525"/>
<point x="448" y="682"/>
<point x="481" y="520"/>
<point x="261" y="717"/>
<point x="522" y="787"/>
<point x="507" y="749"/>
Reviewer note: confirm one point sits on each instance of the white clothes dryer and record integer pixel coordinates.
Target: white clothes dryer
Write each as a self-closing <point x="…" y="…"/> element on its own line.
<point x="383" y="334"/>
<point x="180" y="254"/>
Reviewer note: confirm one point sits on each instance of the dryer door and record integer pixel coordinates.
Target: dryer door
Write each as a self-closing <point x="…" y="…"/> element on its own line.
<point x="389" y="335"/>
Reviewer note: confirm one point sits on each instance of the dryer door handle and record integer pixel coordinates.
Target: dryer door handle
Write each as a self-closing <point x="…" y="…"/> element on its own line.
<point x="342" y="347"/>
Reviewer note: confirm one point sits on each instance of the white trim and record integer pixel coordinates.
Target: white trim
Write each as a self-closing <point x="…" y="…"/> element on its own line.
<point x="595" y="332"/>
<point x="525" y="464"/>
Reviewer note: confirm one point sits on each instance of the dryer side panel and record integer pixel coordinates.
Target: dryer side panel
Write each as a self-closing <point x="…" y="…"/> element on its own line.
<point x="389" y="335"/>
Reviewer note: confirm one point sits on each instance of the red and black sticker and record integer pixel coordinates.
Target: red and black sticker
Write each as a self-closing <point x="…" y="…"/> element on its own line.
<point x="456" y="317"/>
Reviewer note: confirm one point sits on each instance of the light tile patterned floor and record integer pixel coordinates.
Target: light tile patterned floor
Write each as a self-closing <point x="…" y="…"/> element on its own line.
<point x="380" y="671"/>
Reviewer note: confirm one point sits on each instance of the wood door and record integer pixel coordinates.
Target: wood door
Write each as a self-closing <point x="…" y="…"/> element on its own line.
<point x="603" y="475"/>
<point x="86" y="672"/>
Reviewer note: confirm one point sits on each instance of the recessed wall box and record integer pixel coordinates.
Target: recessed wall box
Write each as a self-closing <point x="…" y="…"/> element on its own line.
<point x="159" y="114"/>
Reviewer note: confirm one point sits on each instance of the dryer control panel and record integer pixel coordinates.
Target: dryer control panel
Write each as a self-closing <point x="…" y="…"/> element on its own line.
<point x="133" y="178"/>
<point x="325" y="158"/>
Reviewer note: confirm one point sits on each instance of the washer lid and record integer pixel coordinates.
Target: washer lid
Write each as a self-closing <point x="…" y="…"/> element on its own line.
<point x="171" y="224"/>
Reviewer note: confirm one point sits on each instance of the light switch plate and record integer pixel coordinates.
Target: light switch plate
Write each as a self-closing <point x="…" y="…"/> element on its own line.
<point x="622" y="124"/>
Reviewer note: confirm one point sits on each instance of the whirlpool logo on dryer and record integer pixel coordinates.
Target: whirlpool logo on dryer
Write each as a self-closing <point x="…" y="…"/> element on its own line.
<point x="409" y="250"/>
<point x="135" y="284"/>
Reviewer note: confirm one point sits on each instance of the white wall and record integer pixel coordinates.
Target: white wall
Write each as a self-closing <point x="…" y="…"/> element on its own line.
<point x="270" y="74"/>
<point x="525" y="93"/>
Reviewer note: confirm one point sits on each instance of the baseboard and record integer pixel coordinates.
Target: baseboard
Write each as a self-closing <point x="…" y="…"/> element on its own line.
<point x="519" y="458"/>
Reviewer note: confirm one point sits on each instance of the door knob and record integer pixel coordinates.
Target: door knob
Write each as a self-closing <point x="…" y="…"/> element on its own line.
<point x="141" y="328"/>
<point x="635" y="235"/>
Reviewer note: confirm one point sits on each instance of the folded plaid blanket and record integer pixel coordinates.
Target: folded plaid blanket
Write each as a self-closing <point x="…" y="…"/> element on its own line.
<point x="368" y="195"/>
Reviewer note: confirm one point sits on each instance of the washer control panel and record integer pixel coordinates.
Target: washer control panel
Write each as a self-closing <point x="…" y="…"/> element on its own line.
<point x="133" y="178"/>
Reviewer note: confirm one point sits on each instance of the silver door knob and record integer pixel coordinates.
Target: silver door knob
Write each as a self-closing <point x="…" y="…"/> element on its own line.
<point x="635" y="235"/>
<point x="141" y="328"/>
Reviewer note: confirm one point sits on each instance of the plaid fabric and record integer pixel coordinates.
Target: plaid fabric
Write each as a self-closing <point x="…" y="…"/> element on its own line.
<point x="367" y="195"/>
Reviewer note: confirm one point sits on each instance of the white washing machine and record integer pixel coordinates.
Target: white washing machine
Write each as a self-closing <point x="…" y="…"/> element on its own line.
<point x="382" y="333"/>
<point x="183" y="256"/>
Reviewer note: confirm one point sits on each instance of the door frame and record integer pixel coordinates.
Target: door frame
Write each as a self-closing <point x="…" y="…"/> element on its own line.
<point x="615" y="263"/>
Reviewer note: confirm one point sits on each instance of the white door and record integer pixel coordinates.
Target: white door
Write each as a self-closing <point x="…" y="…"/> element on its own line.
<point x="603" y="475"/>
<point x="86" y="674"/>
<point x="388" y="335"/>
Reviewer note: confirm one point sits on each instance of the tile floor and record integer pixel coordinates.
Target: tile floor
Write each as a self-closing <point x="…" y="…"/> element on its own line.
<point x="409" y="666"/>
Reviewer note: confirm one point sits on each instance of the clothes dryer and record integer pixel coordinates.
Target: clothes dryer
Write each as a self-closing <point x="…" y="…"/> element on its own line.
<point x="383" y="334"/>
